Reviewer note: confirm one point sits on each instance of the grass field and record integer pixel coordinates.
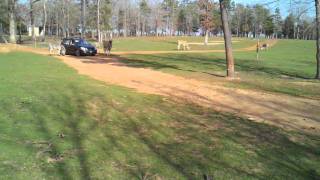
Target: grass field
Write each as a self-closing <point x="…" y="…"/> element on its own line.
<point x="56" y="124"/>
<point x="286" y="68"/>
<point x="153" y="43"/>
<point x="170" y="43"/>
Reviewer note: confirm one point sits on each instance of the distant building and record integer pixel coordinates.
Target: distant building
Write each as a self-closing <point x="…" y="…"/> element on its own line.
<point x="37" y="31"/>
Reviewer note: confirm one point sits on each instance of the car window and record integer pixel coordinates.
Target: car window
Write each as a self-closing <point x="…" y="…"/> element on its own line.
<point x="81" y="42"/>
<point x="66" y="42"/>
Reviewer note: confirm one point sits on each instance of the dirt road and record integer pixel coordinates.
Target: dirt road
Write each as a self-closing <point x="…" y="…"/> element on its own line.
<point x="280" y="110"/>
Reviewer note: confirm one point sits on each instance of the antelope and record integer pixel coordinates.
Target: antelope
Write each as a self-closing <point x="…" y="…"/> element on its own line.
<point x="265" y="47"/>
<point x="54" y="49"/>
<point x="184" y="44"/>
<point x="107" y="46"/>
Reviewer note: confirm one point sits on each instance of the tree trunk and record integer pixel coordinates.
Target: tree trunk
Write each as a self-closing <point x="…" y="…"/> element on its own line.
<point x="57" y="24"/>
<point x="237" y="32"/>
<point x="172" y="19"/>
<point x="98" y="21"/>
<point x="317" y="3"/>
<point x="125" y="23"/>
<point x="138" y="33"/>
<point x="44" y="21"/>
<point x="144" y="33"/>
<point x="227" y="39"/>
<point x="32" y="21"/>
<point x="206" y="38"/>
<point x="12" y="22"/>
<point x="156" y="27"/>
<point x="167" y="26"/>
<point x="82" y="18"/>
<point x="68" y="19"/>
<point x="64" y="20"/>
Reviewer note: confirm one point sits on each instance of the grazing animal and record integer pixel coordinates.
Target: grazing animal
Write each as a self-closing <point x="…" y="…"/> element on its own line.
<point x="107" y="46"/>
<point x="184" y="44"/>
<point x="265" y="47"/>
<point x="54" y="49"/>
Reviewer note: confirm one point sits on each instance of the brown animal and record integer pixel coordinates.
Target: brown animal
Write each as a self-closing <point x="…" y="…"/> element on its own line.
<point x="107" y="46"/>
<point x="265" y="47"/>
<point x="184" y="44"/>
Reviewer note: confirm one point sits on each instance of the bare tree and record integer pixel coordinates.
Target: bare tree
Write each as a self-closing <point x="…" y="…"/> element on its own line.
<point x="31" y="19"/>
<point x="206" y="17"/>
<point x="227" y="38"/>
<point x="67" y="18"/>
<point x="98" y="21"/>
<point x="12" y="21"/>
<point x="31" y="13"/>
<point x="82" y="18"/>
<point x="125" y="22"/>
<point x="317" y="4"/>
<point x="169" y="6"/>
<point x="173" y="4"/>
<point x="157" y="18"/>
<point x="44" y="19"/>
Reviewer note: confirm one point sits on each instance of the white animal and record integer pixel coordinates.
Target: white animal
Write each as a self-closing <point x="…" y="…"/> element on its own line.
<point x="184" y="44"/>
<point x="54" y="49"/>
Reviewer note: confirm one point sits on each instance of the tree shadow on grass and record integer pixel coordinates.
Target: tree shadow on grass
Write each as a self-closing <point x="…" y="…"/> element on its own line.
<point x="185" y="142"/>
<point x="215" y="63"/>
<point x="196" y="147"/>
<point x="65" y="122"/>
<point x="135" y="135"/>
<point x="241" y="65"/>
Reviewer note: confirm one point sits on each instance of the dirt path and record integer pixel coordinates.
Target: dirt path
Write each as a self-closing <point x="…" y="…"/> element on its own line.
<point x="280" y="110"/>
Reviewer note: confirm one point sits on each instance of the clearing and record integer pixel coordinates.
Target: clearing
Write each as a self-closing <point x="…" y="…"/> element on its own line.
<point x="281" y="110"/>
<point x="277" y="109"/>
<point x="56" y="124"/>
<point x="187" y="123"/>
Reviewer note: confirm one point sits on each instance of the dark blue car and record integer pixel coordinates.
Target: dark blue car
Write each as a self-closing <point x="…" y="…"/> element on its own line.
<point x="78" y="47"/>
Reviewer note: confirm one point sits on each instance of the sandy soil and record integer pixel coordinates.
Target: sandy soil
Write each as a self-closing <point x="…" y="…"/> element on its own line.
<point x="280" y="110"/>
<point x="4" y="49"/>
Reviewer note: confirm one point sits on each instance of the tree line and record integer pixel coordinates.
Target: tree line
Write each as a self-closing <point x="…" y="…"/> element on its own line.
<point x="153" y="18"/>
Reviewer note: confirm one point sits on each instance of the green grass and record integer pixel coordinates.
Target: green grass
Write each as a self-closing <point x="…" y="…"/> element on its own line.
<point x="286" y="68"/>
<point x="170" y="43"/>
<point x="116" y="133"/>
<point x="149" y="43"/>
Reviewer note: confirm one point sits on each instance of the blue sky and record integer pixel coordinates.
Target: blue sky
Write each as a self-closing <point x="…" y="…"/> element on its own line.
<point x="284" y="5"/>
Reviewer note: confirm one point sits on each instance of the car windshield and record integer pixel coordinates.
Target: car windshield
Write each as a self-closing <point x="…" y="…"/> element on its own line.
<point x="82" y="42"/>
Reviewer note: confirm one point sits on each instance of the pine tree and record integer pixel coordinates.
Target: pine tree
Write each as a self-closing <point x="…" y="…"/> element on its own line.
<point x="277" y="20"/>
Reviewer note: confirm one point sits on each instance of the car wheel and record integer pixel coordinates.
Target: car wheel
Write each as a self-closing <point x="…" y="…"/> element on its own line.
<point x="63" y="51"/>
<point x="78" y="53"/>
